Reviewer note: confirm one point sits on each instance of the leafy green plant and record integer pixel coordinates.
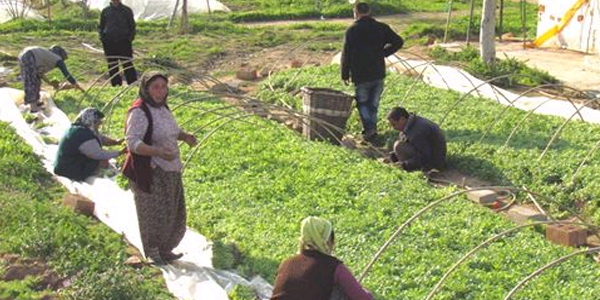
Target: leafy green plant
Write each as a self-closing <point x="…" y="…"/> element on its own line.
<point x="252" y="181"/>
<point x="36" y="225"/>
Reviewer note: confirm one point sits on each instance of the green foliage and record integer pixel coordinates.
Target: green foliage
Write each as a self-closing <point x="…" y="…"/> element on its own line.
<point x="469" y="56"/>
<point x="477" y="131"/>
<point x="459" y="24"/>
<point x="116" y="283"/>
<point x="245" y="11"/>
<point x="35" y="226"/>
<point x="252" y="181"/>
<point x="241" y="292"/>
<point x="226" y="256"/>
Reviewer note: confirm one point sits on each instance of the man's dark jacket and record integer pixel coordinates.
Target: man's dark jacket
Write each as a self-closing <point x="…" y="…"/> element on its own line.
<point x="428" y="140"/>
<point x="366" y="44"/>
<point x="117" y="24"/>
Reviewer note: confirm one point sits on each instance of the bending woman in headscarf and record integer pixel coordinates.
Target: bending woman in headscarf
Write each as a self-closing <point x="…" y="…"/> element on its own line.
<point x="80" y="152"/>
<point x="313" y="273"/>
<point x="153" y="166"/>
<point x="35" y="62"/>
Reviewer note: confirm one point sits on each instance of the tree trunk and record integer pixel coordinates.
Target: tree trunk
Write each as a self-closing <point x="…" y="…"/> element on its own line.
<point x="185" y="28"/>
<point x="487" y="33"/>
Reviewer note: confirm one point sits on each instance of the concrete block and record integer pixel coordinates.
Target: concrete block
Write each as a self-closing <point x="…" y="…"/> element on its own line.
<point x="246" y="74"/>
<point x="566" y="235"/>
<point x="80" y="204"/>
<point x="296" y="64"/>
<point x="522" y="215"/>
<point x="483" y="196"/>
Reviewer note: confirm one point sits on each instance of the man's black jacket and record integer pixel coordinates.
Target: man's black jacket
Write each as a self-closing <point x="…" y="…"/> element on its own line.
<point x="117" y="23"/>
<point x="366" y="44"/>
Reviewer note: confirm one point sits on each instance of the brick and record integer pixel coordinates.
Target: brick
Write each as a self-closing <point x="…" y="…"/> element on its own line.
<point x="522" y="214"/>
<point x="482" y="196"/>
<point x="566" y="235"/>
<point x="246" y="74"/>
<point x="80" y="204"/>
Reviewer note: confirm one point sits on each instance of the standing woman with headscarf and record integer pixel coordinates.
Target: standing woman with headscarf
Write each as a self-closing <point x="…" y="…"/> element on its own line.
<point x="80" y="152"/>
<point x="153" y="166"/>
<point x="35" y="62"/>
<point x="313" y="273"/>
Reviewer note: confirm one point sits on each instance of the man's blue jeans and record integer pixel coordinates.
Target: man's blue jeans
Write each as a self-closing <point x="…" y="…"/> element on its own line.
<point x="367" y="98"/>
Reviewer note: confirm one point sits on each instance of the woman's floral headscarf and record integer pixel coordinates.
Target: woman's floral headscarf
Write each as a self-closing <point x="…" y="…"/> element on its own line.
<point x="89" y="117"/>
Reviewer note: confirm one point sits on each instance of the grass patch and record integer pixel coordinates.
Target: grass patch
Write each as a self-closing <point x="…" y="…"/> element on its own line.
<point x="477" y="130"/>
<point x="35" y="225"/>
<point x="252" y="181"/>
<point x="470" y="59"/>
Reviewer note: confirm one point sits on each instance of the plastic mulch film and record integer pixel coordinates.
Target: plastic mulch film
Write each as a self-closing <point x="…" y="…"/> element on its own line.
<point x="191" y="277"/>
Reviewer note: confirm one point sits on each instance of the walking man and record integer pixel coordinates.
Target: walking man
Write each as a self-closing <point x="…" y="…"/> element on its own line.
<point x="366" y="44"/>
<point x="117" y="31"/>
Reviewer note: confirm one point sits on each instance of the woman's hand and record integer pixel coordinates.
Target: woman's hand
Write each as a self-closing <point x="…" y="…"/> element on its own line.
<point x="167" y="154"/>
<point x="191" y="140"/>
<point x="112" y="142"/>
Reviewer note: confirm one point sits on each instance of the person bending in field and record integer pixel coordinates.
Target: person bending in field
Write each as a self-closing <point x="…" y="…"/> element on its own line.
<point x="35" y="62"/>
<point x="421" y="144"/>
<point x="80" y="152"/>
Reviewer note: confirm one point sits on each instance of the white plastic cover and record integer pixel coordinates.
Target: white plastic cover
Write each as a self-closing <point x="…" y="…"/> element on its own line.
<point x="191" y="277"/>
<point x="157" y="9"/>
<point x="451" y="78"/>
<point x="582" y="33"/>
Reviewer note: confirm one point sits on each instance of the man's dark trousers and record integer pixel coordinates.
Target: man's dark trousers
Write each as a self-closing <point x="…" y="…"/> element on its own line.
<point x="119" y="51"/>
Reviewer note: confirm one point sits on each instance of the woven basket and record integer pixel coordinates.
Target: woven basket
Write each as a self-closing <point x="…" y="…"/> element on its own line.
<point x="328" y="112"/>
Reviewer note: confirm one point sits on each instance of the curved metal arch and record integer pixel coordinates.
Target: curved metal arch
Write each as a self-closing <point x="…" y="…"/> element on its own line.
<point x="530" y="112"/>
<point x="471" y="91"/>
<point x="206" y="136"/>
<point x="458" y="263"/>
<point x="544" y="268"/>
<point x="435" y="203"/>
<point x="521" y="95"/>
<point x="588" y="155"/>
<point x="559" y="130"/>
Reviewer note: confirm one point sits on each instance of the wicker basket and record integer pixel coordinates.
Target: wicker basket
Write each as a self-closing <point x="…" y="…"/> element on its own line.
<point x="328" y="112"/>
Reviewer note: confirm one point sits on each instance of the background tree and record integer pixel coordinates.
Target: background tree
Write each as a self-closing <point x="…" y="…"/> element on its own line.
<point x="487" y="33"/>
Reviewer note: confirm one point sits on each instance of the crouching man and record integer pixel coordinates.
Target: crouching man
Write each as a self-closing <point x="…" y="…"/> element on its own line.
<point x="421" y="144"/>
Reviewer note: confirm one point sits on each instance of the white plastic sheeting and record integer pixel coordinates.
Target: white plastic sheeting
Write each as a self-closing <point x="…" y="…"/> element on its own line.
<point x="191" y="277"/>
<point x="451" y="78"/>
<point x="581" y="32"/>
<point x="158" y="9"/>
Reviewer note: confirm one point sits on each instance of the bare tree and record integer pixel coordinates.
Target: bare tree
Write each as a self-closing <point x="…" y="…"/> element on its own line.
<point x="488" y="32"/>
<point x="17" y="9"/>
<point x="185" y="27"/>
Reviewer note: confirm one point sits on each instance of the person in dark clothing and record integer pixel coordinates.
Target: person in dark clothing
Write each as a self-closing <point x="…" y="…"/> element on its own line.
<point x="35" y="62"/>
<point x="80" y="152"/>
<point x="421" y="144"/>
<point x="366" y="44"/>
<point x="314" y="274"/>
<point x="117" y="31"/>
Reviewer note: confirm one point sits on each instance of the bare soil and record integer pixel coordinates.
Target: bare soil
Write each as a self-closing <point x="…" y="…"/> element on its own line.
<point x="18" y="268"/>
